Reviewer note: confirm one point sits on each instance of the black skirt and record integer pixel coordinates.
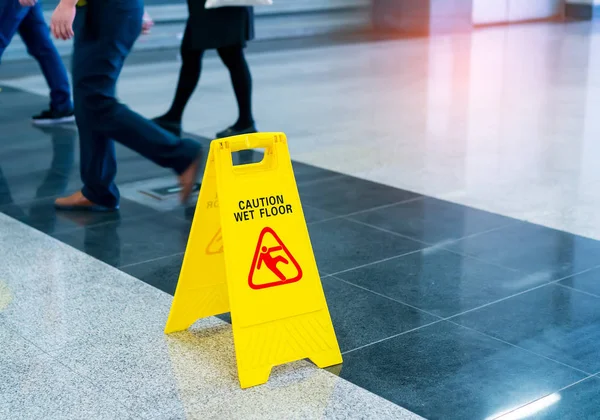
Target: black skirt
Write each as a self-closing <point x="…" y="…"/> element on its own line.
<point x="215" y="28"/>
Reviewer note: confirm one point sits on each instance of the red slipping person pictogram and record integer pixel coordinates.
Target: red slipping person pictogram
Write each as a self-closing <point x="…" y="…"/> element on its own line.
<point x="273" y="264"/>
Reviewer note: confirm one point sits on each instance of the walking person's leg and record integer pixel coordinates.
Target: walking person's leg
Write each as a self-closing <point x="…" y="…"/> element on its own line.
<point x="36" y="35"/>
<point x="101" y="46"/>
<point x="189" y="75"/>
<point x="11" y="15"/>
<point x="241" y="79"/>
<point x="98" y="166"/>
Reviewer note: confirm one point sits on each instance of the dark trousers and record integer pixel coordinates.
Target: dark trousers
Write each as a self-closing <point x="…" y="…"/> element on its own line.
<point x="105" y="31"/>
<point x="29" y="22"/>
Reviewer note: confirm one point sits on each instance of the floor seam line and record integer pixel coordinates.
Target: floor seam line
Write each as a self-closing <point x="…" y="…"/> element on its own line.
<point x="429" y="246"/>
<point x="484" y="232"/>
<point x="392" y="337"/>
<point x="106" y="223"/>
<point x="387" y="297"/>
<point x="500" y="416"/>
<point x="481" y="260"/>
<point x="553" y="282"/>
<point x="577" y="290"/>
<point x="358" y="222"/>
<point x="150" y="260"/>
<point x="384" y="206"/>
<point x="520" y="348"/>
<point x="375" y="262"/>
<point x="347" y="215"/>
<point x="77" y="228"/>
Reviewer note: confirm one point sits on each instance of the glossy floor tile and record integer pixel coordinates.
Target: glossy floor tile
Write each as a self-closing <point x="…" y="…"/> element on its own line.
<point x="41" y="215"/>
<point x="131" y="241"/>
<point x="439" y="281"/>
<point x="361" y="317"/>
<point x="577" y="402"/>
<point x="432" y="221"/>
<point x="115" y="361"/>
<point x="341" y="244"/>
<point x="347" y="195"/>
<point x="588" y="281"/>
<point x="444" y="371"/>
<point x="556" y="322"/>
<point x="535" y="250"/>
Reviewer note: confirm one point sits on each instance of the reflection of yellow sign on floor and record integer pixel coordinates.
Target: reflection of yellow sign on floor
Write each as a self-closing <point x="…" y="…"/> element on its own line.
<point x="260" y="262"/>
<point x="216" y="244"/>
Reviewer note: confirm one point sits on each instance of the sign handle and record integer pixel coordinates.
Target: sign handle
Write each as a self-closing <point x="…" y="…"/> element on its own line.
<point x="254" y="141"/>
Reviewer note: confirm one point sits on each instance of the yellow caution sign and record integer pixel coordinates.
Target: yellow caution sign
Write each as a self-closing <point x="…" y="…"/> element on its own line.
<point x="249" y="253"/>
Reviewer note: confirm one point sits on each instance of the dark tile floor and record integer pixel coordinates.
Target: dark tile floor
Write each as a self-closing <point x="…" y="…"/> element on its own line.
<point x="449" y="311"/>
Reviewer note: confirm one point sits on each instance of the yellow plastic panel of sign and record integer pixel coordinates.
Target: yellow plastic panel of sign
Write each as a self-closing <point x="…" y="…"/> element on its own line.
<point x="202" y="287"/>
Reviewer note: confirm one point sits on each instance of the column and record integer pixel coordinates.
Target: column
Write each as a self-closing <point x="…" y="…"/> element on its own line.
<point x="582" y="9"/>
<point x="422" y="16"/>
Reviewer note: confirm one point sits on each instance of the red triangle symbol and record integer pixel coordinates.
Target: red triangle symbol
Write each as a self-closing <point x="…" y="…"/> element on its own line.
<point x="215" y="246"/>
<point x="270" y="260"/>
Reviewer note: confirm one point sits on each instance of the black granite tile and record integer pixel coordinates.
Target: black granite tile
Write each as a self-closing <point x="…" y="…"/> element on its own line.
<point x="341" y="244"/>
<point x="439" y="281"/>
<point x="162" y="273"/>
<point x="225" y="317"/>
<point x="577" y="402"/>
<point x="42" y="215"/>
<point x="314" y="215"/>
<point x="344" y="195"/>
<point x="37" y="163"/>
<point x="361" y="317"/>
<point x="588" y="282"/>
<point x="184" y="213"/>
<point x="433" y="221"/>
<point x="444" y="371"/>
<point x="34" y="186"/>
<point x="31" y="148"/>
<point x="130" y="241"/>
<point x="539" y="251"/>
<point x="307" y="174"/>
<point x="553" y="321"/>
<point x="17" y="104"/>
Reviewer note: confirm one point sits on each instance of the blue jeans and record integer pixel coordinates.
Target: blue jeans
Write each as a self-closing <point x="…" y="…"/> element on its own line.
<point x="105" y="31"/>
<point x="29" y="22"/>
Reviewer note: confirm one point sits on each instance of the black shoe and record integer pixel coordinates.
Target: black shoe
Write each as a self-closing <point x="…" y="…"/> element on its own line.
<point x="173" y="127"/>
<point x="50" y="117"/>
<point x="234" y="131"/>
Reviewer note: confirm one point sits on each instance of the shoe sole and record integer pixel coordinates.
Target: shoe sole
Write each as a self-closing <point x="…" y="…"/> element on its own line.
<point x="54" y="121"/>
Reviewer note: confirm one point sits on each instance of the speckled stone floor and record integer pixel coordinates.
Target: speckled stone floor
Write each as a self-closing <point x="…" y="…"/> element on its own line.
<point x="80" y="339"/>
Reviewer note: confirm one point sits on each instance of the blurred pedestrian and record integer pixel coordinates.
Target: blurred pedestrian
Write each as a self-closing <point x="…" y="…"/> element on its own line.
<point x="27" y="18"/>
<point x="226" y="29"/>
<point x="105" y="31"/>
